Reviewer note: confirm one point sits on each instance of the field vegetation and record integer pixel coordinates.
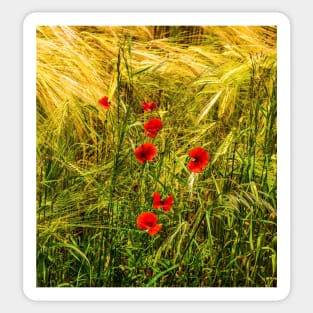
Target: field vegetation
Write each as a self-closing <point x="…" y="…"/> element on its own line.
<point x="212" y="88"/>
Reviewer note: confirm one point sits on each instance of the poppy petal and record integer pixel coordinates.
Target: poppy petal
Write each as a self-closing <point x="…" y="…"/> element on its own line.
<point x="168" y="202"/>
<point x="146" y="152"/>
<point x="153" y="126"/>
<point x="149" y="106"/>
<point x="201" y="158"/>
<point x="154" y="229"/>
<point x="146" y="220"/>
<point x="104" y="102"/>
<point x="157" y="200"/>
<point x="194" y="167"/>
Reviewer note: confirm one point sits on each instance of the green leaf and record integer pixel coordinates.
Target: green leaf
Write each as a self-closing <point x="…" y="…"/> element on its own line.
<point x="155" y="278"/>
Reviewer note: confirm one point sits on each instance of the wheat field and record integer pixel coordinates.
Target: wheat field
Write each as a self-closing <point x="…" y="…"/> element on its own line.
<point x="212" y="222"/>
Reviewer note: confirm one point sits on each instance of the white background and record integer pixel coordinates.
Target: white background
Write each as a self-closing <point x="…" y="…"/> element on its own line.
<point x="29" y="155"/>
<point x="11" y="17"/>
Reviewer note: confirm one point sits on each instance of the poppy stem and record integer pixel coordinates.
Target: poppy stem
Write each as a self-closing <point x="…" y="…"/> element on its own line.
<point x="140" y="182"/>
<point x="191" y="181"/>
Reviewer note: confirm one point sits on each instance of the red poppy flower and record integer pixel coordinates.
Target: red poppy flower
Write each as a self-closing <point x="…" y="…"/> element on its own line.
<point x="166" y="204"/>
<point x="153" y="127"/>
<point x="146" y="152"/>
<point x="201" y="158"/>
<point x="149" y="106"/>
<point x="104" y="102"/>
<point x="148" y="221"/>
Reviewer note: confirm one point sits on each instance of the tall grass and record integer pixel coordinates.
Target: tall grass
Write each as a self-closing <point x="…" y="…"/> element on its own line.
<point x="216" y="88"/>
